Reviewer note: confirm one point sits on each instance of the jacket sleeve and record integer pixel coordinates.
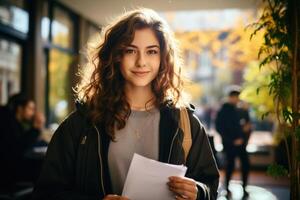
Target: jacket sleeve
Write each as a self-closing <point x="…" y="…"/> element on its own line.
<point x="201" y="162"/>
<point x="57" y="178"/>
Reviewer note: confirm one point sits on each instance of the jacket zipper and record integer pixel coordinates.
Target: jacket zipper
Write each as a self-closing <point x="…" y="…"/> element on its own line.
<point x="83" y="175"/>
<point x="100" y="157"/>
<point x="172" y="145"/>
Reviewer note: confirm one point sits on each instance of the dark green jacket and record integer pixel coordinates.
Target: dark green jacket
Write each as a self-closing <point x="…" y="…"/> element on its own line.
<point x="76" y="165"/>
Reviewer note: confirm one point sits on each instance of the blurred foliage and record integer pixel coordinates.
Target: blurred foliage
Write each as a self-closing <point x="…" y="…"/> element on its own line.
<point x="222" y="53"/>
<point x="277" y="171"/>
<point x="195" y="89"/>
<point x="277" y="53"/>
<point x="234" y="50"/>
<point x="255" y="89"/>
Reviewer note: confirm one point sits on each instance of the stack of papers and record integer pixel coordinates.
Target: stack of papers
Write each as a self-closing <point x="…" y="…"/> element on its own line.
<point x="147" y="179"/>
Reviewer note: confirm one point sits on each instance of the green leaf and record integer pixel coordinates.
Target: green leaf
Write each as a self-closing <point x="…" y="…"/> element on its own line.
<point x="277" y="171"/>
<point x="287" y="115"/>
<point x="257" y="90"/>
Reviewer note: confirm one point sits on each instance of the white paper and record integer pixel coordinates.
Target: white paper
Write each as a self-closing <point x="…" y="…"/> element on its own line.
<point x="147" y="179"/>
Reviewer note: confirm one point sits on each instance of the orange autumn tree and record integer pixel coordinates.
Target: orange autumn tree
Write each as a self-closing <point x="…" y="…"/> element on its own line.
<point x="227" y="50"/>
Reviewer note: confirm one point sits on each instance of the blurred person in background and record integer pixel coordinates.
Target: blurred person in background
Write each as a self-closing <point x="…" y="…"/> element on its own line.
<point x="245" y="121"/>
<point x="228" y="124"/>
<point x="20" y="128"/>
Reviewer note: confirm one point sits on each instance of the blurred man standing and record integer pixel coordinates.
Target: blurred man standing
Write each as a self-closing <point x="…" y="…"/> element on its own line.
<point x="233" y="138"/>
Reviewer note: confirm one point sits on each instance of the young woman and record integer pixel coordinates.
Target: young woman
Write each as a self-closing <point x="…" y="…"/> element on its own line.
<point x="129" y="104"/>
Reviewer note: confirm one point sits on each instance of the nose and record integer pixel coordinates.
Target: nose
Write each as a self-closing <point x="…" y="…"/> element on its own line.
<point x="141" y="60"/>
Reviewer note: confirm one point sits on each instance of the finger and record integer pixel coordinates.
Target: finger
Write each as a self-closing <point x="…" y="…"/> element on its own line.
<point x="114" y="197"/>
<point x="184" y="189"/>
<point x="110" y="197"/>
<point x="180" y="198"/>
<point x="183" y="193"/>
<point x="183" y="185"/>
<point x="182" y="180"/>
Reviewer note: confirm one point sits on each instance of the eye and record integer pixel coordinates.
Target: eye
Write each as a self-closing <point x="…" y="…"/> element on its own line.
<point x="152" y="51"/>
<point x="129" y="51"/>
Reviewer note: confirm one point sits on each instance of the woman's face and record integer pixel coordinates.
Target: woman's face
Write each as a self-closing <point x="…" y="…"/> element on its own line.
<point x="141" y="59"/>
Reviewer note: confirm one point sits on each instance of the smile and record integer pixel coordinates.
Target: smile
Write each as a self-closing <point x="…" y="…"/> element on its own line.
<point x="140" y="73"/>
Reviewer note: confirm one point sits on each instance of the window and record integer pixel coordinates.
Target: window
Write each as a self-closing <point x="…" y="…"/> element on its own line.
<point x="45" y="22"/>
<point x="59" y="85"/>
<point x="14" y="16"/>
<point x="62" y="29"/>
<point x="60" y="52"/>
<point x="10" y="67"/>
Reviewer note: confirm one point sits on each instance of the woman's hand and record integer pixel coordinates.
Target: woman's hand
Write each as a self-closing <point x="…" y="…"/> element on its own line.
<point x="184" y="188"/>
<point x="114" y="197"/>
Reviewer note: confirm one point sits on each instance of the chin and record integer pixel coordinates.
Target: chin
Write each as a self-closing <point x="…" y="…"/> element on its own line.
<point x="140" y="84"/>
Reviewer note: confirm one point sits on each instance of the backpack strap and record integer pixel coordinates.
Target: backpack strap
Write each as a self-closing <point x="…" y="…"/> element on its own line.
<point x="186" y="128"/>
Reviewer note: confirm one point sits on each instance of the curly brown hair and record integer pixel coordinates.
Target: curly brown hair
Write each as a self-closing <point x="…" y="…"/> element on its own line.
<point x="102" y="84"/>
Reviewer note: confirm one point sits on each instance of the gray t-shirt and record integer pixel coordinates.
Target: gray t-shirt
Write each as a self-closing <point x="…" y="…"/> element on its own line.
<point x="140" y="135"/>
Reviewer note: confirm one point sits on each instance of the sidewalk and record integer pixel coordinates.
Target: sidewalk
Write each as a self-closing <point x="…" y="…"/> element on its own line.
<point x="260" y="187"/>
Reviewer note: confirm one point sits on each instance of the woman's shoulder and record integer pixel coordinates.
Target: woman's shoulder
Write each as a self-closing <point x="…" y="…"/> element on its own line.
<point x="75" y="117"/>
<point x="194" y="120"/>
<point x="70" y="130"/>
<point x="79" y="114"/>
<point x="197" y="126"/>
<point x="76" y="121"/>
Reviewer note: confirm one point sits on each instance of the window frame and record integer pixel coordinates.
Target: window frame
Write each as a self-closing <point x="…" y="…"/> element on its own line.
<point x="73" y="51"/>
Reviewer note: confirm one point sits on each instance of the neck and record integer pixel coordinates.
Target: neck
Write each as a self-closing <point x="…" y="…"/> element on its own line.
<point x="140" y="98"/>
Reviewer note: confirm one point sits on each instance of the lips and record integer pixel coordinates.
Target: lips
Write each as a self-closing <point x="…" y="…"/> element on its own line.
<point x="140" y="73"/>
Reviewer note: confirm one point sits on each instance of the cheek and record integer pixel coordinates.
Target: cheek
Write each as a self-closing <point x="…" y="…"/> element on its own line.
<point x="125" y="63"/>
<point x="128" y="61"/>
<point x="156" y="64"/>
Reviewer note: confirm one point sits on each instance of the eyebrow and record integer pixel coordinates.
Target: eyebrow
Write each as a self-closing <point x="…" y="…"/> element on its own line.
<point x="148" y="47"/>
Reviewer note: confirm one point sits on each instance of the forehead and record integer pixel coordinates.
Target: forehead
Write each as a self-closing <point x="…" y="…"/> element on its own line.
<point x="144" y="37"/>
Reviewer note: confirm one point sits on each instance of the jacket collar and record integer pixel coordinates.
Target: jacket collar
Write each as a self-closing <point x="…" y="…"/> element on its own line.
<point x="168" y="126"/>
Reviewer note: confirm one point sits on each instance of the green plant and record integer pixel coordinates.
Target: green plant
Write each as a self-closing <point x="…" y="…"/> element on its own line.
<point x="280" y="23"/>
